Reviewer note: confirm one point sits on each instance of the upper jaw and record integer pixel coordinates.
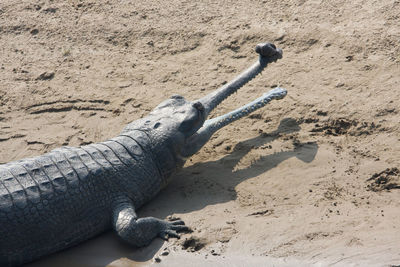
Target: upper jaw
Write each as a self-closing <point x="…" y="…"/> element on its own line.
<point x="267" y="53"/>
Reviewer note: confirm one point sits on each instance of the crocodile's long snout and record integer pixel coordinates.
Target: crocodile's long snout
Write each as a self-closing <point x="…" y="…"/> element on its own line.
<point x="210" y="126"/>
<point x="267" y="53"/>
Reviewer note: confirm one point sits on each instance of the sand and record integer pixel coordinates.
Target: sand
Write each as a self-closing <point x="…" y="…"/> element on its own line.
<point x="312" y="179"/>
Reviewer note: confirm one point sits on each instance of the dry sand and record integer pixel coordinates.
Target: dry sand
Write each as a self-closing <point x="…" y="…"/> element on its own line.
<point x="311" y="179"/>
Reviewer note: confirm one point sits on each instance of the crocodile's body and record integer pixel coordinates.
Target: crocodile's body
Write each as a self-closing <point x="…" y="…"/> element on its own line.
<point x="61" y="198"/>
<point x="66" y="196"/>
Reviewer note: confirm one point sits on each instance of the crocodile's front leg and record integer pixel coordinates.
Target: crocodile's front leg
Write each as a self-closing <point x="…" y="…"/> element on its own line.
<point x="140" y="232"/>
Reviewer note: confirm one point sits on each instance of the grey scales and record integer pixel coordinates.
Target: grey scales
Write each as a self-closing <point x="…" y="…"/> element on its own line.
<point x="57" y="200"/>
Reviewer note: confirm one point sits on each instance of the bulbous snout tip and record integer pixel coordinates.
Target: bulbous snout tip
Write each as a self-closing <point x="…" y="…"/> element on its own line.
<point x="268" y="50"/>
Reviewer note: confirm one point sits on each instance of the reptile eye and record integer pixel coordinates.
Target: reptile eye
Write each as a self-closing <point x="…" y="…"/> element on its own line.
<point x="199" y="106"/>
<point x="177" y="97"/>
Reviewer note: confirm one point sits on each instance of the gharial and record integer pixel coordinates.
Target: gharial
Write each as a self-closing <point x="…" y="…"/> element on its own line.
<point x="59" y="199"/>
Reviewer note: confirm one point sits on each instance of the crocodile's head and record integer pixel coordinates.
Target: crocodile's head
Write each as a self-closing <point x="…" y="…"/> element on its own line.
<point x="178" y="128"/>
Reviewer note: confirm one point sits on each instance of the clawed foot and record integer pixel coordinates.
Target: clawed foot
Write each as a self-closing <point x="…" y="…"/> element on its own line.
<point x="172" y="227"/>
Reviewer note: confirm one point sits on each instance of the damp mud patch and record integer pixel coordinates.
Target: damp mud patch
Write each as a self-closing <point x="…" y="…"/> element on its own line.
<point x="193" y="244"/>
<point x="343" y="126"/>
<point x="385" y="180"/>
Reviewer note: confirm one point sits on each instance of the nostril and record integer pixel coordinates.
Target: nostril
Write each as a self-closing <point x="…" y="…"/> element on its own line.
<point x="199" y="106"/>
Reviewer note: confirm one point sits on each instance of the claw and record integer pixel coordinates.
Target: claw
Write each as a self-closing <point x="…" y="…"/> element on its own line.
<point x="171" y="218"/>
<point x="180" y="228"/>
<point x="171" y="228"/>
<point x="163" y="236"/>
<point x="172" y="233"/>
<point x="178" y="222"/>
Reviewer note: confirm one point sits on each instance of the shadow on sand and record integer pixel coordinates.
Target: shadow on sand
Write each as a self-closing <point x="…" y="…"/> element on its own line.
<point x="212" y="182"/>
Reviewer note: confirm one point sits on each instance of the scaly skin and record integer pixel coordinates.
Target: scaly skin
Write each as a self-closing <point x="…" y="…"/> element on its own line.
<point x="59" y="199"/>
